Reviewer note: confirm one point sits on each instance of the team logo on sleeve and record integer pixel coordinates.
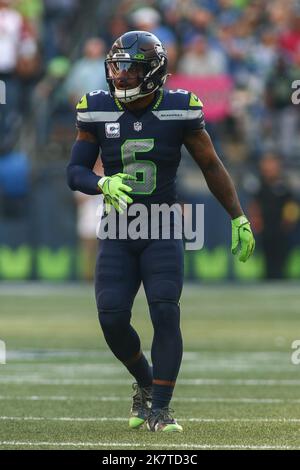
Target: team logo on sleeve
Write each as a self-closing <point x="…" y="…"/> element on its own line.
<point x="112" y="130"/>
<point x="137" y="126"/>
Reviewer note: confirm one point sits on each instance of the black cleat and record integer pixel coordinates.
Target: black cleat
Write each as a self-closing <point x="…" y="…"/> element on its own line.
<point x="161" y="420"/>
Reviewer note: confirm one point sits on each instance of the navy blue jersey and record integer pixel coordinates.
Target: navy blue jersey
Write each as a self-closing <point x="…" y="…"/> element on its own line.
<point x="146" y="143"/>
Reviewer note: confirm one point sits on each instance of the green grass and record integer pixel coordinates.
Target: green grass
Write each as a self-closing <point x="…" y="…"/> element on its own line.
<point x="62" y="388"/>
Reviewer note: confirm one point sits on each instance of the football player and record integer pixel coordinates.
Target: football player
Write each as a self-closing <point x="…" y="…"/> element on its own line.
<point x="140" y="128"/>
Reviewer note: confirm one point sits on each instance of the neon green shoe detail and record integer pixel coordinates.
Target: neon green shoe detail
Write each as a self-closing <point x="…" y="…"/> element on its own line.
<point x="135" y="422"/>
<point x="141" y="406"/>
<point x="173" y="428"/>
<point x="161" y="420"/>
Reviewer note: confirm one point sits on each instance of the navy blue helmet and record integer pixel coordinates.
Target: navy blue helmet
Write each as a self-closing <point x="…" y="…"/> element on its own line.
<point x="136" y="66"/>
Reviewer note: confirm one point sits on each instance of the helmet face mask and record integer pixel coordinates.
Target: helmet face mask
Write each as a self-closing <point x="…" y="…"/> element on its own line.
<point x="126" y="73"/>
<point x="136" y="66"/>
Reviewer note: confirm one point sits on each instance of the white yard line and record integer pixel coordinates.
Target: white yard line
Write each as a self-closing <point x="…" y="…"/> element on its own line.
<point x="104" y="369"/>
<point x="108" y="445"/>
<point x="36" y="380"/>
<point x="128" y="399"/>
<point x="23" y="354"/>
<point x="189" y="420"/>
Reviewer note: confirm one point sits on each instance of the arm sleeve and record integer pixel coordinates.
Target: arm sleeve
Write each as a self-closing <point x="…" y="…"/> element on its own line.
<point x="195" y="116"/>
<point x="80" y="176"/>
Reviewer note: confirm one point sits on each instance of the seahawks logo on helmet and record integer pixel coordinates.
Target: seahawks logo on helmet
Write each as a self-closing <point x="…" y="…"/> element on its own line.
<point x="140" y="52"/>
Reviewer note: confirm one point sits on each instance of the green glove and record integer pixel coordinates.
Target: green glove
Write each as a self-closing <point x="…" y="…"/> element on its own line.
<point x="242" y="238"/>
<point x="115" y="191"/>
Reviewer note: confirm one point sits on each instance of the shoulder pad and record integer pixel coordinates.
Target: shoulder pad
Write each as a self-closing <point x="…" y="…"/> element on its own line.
<point x="82" y="104"/>
<point x="195" y="102"/>
<point x="183" y="99"/>
<point x="97" y="106"/>
<point x="92" y="101"/>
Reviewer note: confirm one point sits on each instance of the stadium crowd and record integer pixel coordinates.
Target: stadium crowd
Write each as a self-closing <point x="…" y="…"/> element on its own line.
<point x="255" y="43"/>
<point x="243" y="54"/>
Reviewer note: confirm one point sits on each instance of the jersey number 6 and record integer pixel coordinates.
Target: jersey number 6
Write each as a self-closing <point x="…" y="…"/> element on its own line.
<point x="144" y="170"/>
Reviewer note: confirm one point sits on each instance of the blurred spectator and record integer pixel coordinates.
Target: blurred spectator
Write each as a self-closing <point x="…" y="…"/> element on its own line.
<point x="201" y="59"/>
<point x="17" y="44"/>
<point x="11" y="28"/>
<point x="237" y="41"/>
<point x="117" y="26"/>
<point x="11" y="31"/>
<point x="87" y="73"/>
<point x="29" y="71"/>
<point x="14" y="183"/>
<point x="273" y="215"/>
<point x="50" y="100"/>
<point x="59" y="16"/>
<point x="32" y="12"/>
<point x="279" y="13"/>
<point x="290" y="39"/>
<point x="149" y="19"/>
<point x="256" y="43"/>
<point x="263" y="53"/>
<point x="283" y="115"/>
<point x="200" y="21"/>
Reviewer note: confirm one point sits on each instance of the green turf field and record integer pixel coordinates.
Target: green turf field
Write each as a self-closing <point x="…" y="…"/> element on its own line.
<point x="61" y="387"/>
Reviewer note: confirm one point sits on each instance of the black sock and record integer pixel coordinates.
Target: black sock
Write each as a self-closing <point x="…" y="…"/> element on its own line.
<point x="139" y="367"/>
<point x="161" y="395"/>
<point x="166" y="351"/>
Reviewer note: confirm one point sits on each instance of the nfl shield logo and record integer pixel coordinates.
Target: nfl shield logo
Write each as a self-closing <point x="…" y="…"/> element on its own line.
<point x="137" y="126"/>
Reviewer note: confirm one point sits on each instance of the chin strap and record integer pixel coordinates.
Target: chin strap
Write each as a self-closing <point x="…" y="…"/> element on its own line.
<point x="126" y="96"/>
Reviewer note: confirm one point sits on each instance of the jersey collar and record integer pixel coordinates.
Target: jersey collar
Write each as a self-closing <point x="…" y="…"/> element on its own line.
<point x="156" y="102"/>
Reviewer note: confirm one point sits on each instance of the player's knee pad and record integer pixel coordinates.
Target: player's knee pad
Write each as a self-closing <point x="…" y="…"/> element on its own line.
<point x="113" y="321"/>
<point x="168" y="290"/>
<point x="110" y="300"/>
<point x="165" y="316"/>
